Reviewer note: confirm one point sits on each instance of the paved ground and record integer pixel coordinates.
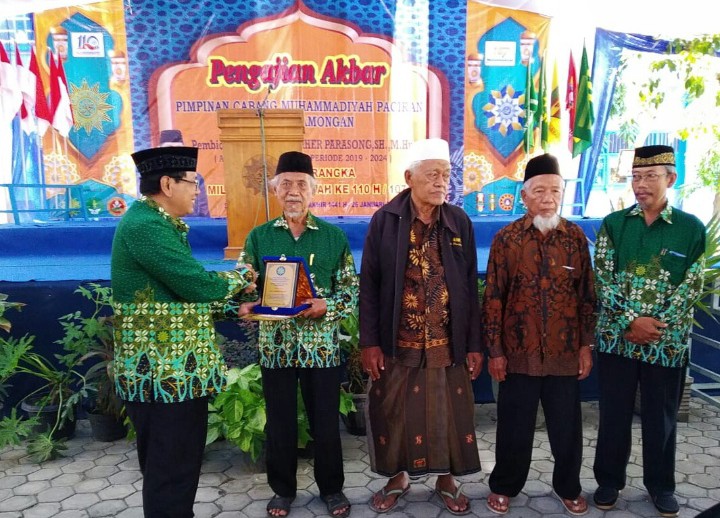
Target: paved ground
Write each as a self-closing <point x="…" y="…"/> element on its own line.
<point x="102" y="479"/>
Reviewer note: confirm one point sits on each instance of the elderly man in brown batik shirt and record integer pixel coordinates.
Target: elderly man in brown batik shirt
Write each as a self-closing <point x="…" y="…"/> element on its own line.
<point x="539" y="320"/>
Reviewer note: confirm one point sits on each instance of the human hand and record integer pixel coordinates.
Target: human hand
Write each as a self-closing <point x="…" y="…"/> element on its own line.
<point x="318" y="307"/>
<point x="585" y="362"/>
<point x="373" y="361"/>
<point x="475" y="364"/>
<point x="252" y="286"/>
<point x="247" y="307"/>
<point x="498" y="368"/>
<point x="644" y="330"/>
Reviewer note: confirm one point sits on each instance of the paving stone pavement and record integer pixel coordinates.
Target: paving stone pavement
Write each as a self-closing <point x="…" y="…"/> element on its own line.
<point x="102" y="479"/>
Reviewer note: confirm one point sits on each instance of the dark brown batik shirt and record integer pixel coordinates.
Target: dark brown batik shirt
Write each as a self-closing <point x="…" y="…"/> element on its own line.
<point x="424" y="333"/>
<point x="539" y="303"/>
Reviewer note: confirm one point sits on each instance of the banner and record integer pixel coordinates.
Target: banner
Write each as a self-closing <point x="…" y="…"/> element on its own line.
<point x="503" y="46"/>
<point x="91" y="42"/>
<point x="363" y="103"/>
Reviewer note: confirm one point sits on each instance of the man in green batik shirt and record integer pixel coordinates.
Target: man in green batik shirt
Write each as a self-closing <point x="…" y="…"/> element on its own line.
<point x="649" y="272"/>
<point x="304" y="348"/>
<point x="166" y="361"/>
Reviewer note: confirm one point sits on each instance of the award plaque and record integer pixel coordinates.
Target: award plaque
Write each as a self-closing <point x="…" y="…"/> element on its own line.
<point x="286" y="282"/>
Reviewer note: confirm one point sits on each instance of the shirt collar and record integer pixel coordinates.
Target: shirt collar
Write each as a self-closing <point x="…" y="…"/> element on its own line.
<point x="666" y="213"/>
<point x="311" y="222"/>
<point x="414" y="213"/>
<point x="176" y="222"/>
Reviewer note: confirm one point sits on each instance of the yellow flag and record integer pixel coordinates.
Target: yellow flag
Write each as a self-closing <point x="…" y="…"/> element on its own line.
<point x="554" y="136"/>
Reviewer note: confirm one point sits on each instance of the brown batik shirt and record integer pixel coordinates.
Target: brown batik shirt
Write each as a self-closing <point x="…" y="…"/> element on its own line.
<point x="424" y="332"/>
<point x="539" y="303"/>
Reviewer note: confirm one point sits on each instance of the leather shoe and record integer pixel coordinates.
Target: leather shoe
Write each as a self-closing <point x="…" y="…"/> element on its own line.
<point x="605" y="497"/>
<point x="666" y="504"/>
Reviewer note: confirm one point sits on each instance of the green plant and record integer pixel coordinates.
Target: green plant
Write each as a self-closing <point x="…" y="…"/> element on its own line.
<point x="89" y="339"/>
<point x="238" y="413"/>
<point x="712" y="272"/>
<point x="11" y="349"/>
<point x="350" y="347"/>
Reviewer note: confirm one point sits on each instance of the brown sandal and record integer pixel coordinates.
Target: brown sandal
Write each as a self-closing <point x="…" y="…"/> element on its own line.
<point x="577" y="506"/>
<point x="498" y="504"/>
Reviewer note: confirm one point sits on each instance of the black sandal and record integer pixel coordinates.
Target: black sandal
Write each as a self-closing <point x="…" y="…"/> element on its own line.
<point x="279" y="503"/>
<point x="335" y="502"/>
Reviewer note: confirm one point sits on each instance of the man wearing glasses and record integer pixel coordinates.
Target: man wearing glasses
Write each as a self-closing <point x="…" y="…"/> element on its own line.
<point x="649" y="272"/>
<point x="167" y="363"/>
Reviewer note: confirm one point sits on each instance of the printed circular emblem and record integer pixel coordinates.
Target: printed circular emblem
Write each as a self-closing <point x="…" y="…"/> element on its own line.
<point x="506" y="201"/>
<point x="280" y="270"/>
<point x="253" y="172"/>
<point x="116" y="206"/>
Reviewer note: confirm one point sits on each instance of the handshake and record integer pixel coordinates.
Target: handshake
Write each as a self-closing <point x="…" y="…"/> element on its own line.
<point x="248" y="270"/>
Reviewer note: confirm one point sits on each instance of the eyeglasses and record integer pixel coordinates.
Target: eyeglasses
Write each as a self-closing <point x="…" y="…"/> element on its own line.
<point x="649" y="177"/>
<point x="196" y="182"/>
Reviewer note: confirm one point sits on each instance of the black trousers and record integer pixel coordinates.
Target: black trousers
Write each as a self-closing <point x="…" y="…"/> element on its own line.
<point x="517" y="406"/>
<point x="170" y="445"/>
<point x="660" y="392"/>
<point x="320" y="389"/>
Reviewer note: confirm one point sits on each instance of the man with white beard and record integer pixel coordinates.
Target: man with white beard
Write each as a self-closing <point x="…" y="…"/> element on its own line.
<point x="538" y="325"/>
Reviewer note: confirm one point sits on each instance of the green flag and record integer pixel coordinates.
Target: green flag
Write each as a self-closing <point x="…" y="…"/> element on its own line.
<point x="584" y="117"/>
<point x="531" y="107"/>
<point x="542" y="110"/>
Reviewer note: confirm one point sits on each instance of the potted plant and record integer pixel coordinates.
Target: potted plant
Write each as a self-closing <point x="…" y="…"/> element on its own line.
<point x="10" y="349"/>
<point x="353" y="415"/>
<point x="90" y="336"/>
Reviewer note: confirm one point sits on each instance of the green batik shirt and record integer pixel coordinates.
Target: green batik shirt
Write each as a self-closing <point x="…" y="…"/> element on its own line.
<point x="165" y="303"/>
<point x="654" y="271"/>
<point x="305" y="342"/>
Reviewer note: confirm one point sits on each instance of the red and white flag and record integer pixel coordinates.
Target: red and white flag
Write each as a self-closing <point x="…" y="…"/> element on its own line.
<point x="42" y="111"/>
<point x="10" y="95"/>
<point x="570" y="99"/>
<point x="26" y="82"/>
<point x="60" y="108"/>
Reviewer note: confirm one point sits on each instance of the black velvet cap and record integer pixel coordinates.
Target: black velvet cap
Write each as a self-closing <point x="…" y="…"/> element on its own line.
<point x="165" y="160"/>
<point x="542" y="164"/>
<point x="653" y="155"/>
<point x="294" y="162"/>
<point x="171" y="136"/>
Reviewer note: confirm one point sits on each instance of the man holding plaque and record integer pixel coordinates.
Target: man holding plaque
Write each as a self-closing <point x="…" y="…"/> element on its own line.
<point x="308" y="285"/>
<point x="167" y="363"/>
<point x="420" y="335"/>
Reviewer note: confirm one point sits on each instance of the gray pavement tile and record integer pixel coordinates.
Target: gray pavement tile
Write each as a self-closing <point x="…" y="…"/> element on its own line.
<point x="17" y="503"/>
<point x="132" y="512"/>
<point x="116" y="491"/>
<point x="31" y="488"/>
<point x="80" y="501"/>
<point x="55" y="494"/>
<point x="107" y="508"/>
<point x="102" y="479"/>
<point x="233" y="501"/>
<point x="46" y="510"/>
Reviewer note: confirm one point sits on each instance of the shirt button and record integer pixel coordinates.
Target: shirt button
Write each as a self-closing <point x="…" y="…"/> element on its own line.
<point x="544" y="335"/>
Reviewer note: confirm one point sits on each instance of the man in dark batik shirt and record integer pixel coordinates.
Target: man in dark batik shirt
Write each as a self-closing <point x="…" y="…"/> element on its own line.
<point x="538" y="315"/>
<point x="419" y="334"/>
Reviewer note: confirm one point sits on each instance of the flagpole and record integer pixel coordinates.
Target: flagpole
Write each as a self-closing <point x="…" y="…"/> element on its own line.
<point x="21" y="133"/>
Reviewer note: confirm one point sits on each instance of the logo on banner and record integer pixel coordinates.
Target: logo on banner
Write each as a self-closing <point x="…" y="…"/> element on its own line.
<point x="88" y="45"/>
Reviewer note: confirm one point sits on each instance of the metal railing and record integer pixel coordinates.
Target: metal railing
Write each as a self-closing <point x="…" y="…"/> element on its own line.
<point x="51" y="202"/>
